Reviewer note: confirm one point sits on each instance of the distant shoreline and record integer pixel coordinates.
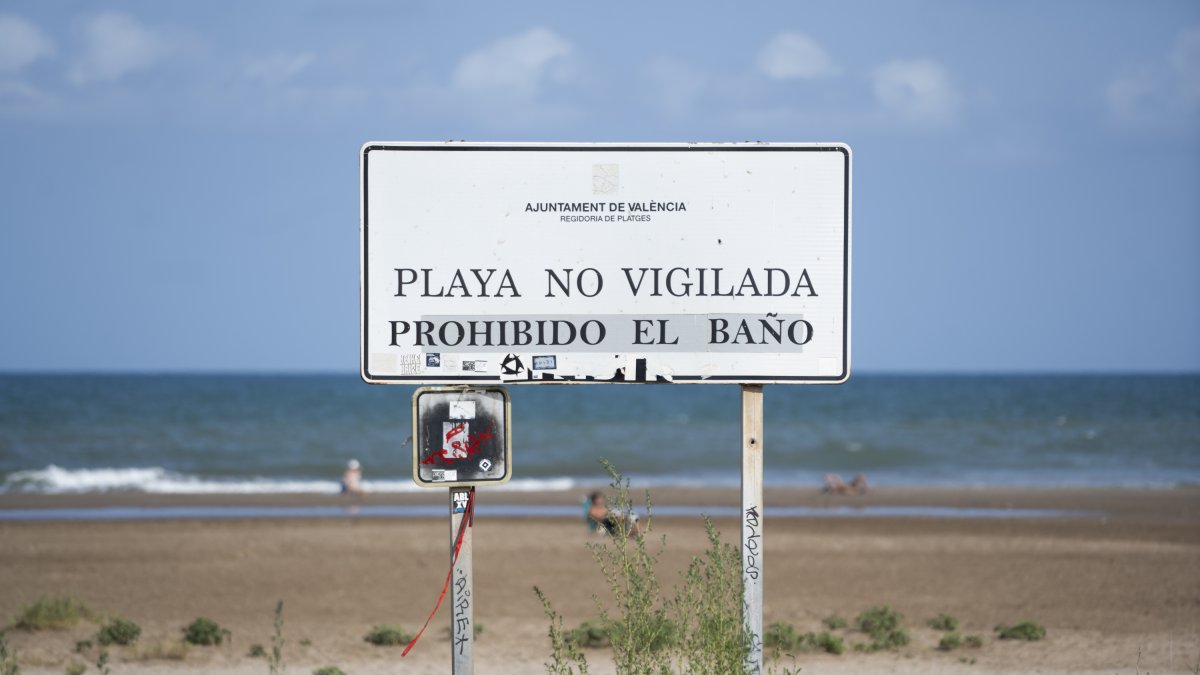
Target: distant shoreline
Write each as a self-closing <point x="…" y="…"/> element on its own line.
<point x="1154" y="503"/>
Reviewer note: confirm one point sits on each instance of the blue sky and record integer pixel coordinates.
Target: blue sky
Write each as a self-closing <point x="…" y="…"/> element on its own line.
<point x="180" y="180"/>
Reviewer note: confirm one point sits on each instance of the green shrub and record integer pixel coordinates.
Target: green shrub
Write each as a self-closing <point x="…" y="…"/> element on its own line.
<point x="973" y="641"/>
<point x="8" y="660"/>
<point x="256" y="651"/>
<point x="883" y="624"/>
<point x="834" y="622"/>
<point x="944" y="622"/>
<point x="950" y="641"/>
<point x="118" y="631"/>
<point x="1022" y="630"/>
<point x="386" y="635"/>
<point x="698" y="629"/>
<point x="782" y="637"/>
<point x="75" y="668"/>
<point x="591" y="634"/>
<point x="565" y="656"/>
<point x="57" y="613"/>
<point x="82" y="646"/>
<point x="205" y="632"/>
<point x="329" y="670"/>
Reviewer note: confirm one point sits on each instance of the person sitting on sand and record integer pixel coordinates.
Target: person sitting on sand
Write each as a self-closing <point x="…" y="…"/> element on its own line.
<point x="834" y="485"/>
<point x="352" y="478"/>
<point x="600" y="517"/>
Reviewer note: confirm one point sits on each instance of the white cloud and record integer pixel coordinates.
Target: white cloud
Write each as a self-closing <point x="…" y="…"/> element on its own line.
<point x="278" y="68"/>
<point x="793" y="55"/>
<point x="674" y="85"/>
<point x="115" y="44"/>
<point x="918" y="92"/>
<point x="21" y="43"/>
<point x="515" y="67"/>
<point x="1164" y="93"/>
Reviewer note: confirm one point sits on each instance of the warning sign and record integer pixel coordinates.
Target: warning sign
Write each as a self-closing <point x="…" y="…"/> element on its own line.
<point x="529" y="263"/>
<point x="461" y="437"/>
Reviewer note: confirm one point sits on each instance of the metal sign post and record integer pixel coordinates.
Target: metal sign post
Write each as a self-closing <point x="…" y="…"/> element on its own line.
<point x="462" y="616"/>
<point x="461" y="439"/>
<point x="752" y="523"/>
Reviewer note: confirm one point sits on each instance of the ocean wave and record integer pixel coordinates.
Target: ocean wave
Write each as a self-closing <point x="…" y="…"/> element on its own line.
<point x="157" y="480"/>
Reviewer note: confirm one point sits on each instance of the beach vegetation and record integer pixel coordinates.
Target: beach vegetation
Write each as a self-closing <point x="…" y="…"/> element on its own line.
<point x="591" y="634"/>
<point x="783" y="637"/>
<point x="8" y="658"/>
<point x="698" y="629"/>
<point x="275" y="658"/>
<point x="834" y="622"/>
<point x="82" y="646"/>
<point x="708" y="610"/>
<point x="256" y="651"/>
<point x="639" y="627"/>
<point x="54" y="613"/>
<point x="118" y="631"/>
<point x="387" y="635"/>
<point x="973" y="641"/>
<point x="329" y="670"/>
<point x="1022" y="630"/>
<point x="75" y="668"/>
<point x="885" y="627"/>
<point x="565" y="657"/>
<point x="950" y="641"/>
<point x="205" y="632"/>
<point x="944" y="622"/>
<point x="102" y="663"/>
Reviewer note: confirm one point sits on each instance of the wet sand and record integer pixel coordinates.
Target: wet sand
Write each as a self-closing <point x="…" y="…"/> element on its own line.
<point x="1117" y="584"/>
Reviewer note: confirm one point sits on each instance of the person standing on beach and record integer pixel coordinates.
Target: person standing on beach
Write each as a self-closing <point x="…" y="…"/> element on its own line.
<point x="352" y="478"/>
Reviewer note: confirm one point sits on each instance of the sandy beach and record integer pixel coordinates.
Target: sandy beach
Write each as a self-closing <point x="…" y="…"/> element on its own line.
<point x="1115" y="582"/>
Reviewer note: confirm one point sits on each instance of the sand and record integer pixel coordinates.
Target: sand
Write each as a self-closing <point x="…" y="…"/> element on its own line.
<point x="1117" y="585"/>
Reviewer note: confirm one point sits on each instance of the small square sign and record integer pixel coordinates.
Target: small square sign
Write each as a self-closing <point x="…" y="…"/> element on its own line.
<point x="461" y="436"/>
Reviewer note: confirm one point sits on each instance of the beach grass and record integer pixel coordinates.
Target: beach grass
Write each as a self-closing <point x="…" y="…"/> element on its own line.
<point x="118" y="631"/>
<point x="205" y="632"/>
<point x="943" y="622"/>
<point x="885" y="626"/>
<point x="1022" y="630"/>
<point x="57" y="612"/>
<point x="387" y="635"/>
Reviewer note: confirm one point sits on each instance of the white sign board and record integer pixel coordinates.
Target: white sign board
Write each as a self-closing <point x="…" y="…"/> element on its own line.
<point x="687" y="263"/>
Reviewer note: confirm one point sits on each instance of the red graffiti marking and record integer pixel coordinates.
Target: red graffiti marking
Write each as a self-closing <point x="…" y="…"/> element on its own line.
<point x="456" y="430"/>
<point x="474" y="443"/>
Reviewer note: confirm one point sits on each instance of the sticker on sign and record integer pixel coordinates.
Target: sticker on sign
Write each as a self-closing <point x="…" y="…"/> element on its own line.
<point x="538" y="263"/>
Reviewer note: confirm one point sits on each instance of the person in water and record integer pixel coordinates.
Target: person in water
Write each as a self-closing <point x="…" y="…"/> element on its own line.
<point x="352" y="478"/>
<point x="834" y="485"/>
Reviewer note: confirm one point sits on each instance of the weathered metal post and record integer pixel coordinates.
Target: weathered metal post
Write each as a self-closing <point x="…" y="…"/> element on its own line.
<point x="752" y="523"/>
<point x="462" y="616"/>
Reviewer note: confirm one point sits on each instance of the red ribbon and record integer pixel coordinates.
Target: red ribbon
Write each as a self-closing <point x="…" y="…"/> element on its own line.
<point x="467" y="521"/>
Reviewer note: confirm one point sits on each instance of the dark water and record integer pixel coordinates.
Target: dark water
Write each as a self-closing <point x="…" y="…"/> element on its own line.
<point x="210" y="433"/>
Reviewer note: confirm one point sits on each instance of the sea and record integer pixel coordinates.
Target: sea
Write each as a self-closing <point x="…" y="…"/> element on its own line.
<point x="240" y="434"/>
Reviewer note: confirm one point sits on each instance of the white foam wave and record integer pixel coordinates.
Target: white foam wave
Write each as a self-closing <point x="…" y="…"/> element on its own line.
<point x="157" y="480"/>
